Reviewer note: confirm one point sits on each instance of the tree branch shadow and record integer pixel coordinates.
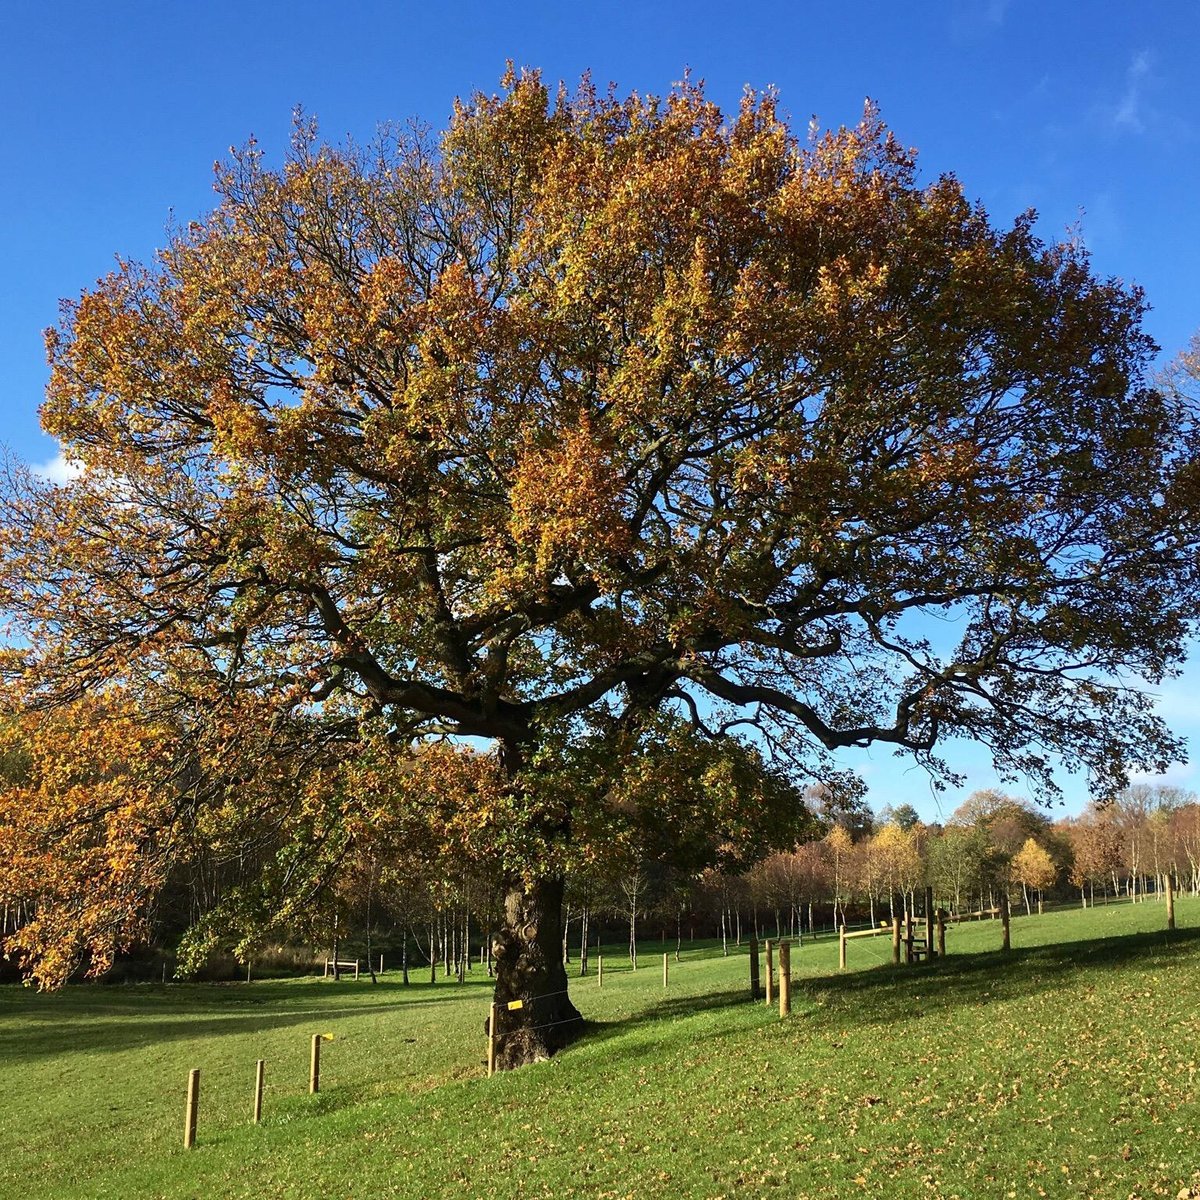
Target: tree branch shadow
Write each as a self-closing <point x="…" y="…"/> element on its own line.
<point x="882" y="994"/>
<point x="114" y="1018"/>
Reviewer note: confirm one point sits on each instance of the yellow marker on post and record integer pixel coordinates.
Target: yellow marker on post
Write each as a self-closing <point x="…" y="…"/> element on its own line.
<point x="515" y="1004"/>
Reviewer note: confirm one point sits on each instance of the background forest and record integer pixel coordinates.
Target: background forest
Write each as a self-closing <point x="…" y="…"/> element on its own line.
<point x="857" y="867"/>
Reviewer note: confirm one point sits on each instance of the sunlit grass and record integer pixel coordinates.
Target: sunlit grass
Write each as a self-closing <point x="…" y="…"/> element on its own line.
<point x="1066" y="1068"/>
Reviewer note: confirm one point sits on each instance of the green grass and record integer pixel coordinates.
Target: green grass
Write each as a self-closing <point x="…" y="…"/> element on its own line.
<point x="1067" y="1069"/>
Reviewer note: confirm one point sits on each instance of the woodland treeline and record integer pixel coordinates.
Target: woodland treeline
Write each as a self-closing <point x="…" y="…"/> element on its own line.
<point x="437" y="918"/>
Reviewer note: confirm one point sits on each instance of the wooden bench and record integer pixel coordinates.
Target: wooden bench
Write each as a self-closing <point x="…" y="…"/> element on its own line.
<point x="341" y="965"/>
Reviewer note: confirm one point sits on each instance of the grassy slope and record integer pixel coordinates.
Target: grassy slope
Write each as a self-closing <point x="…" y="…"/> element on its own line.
<point x="1066" y="1069"/>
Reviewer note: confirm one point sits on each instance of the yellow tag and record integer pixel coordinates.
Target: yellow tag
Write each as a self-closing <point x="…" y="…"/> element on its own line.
<point x="327" y="1037"/>
<point x="515" y="1004"/>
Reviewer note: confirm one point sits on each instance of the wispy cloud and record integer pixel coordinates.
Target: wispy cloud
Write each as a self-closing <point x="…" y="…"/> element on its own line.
<point x="1131" y="114"/>
<point x="973" y="18"/>
<point x="59" y="470"/>
<point x="1176" y="775"/>
<point x="995" y="11"/>
<point x="1100" y="224"/>
<point x="1178" y="703"/>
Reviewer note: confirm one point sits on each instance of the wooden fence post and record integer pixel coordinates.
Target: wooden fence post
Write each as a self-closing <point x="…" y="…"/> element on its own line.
<point x="841" y="947"/>
<point x="1170" y="902"/>
<point x="770" y="975"/>
<point x="785" y="978"/>
<point x="664" y="970"/>
<point x="895" y="941"/>
<point x="314" y="1066"/>
<point x="929" y="921"/>
<point x="1004" y="917"/>
<point x="941" y="933"/>
<point x="260" y="1069"/>
<point x="191" y="1110"/>
<point x="492" y="1041"/>
<point x="908" y="937"/>
<point x="599" y="970"/>
<point x="755" y="987"/>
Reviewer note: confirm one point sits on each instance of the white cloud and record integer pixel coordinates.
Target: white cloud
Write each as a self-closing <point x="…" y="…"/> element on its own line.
<point x="972" y="19"/>
<point x="1176" y="775"/>
<point x="1100" y="222"/>
<point x="1130" y="112"/>
<point x="59" y="470"/>
<point x="1178" y="703"/>
<point x="995" y="11"/>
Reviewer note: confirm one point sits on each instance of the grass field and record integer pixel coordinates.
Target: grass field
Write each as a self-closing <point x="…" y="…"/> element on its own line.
<point x="1067" y="1068"/>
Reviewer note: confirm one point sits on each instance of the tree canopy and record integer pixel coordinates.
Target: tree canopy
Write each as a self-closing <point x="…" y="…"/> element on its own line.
<point x="622" y="434"/>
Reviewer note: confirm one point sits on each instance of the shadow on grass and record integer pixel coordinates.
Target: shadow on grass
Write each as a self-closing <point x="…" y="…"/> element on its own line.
<point x="675" y="1009"/>
<point x="882" y="994"/>
<point x="104" y="1018"/>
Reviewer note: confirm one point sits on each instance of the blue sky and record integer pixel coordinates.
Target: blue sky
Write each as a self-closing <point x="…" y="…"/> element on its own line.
<point x="111" y="116"/>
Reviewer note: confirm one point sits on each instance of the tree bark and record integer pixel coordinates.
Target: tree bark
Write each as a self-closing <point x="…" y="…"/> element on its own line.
<point x="529" y="969"/>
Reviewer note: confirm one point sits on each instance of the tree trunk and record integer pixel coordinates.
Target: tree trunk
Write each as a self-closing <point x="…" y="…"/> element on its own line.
<point x="462" y="936"/>
<point x="529" y="969"/>
<point x="370" y="891"/>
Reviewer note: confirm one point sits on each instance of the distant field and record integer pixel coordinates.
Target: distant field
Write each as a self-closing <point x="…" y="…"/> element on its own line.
<point x="1066" y="1069"/>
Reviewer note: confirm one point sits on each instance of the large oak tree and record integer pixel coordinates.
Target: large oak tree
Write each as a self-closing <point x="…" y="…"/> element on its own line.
<point x="662" y="450"/>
